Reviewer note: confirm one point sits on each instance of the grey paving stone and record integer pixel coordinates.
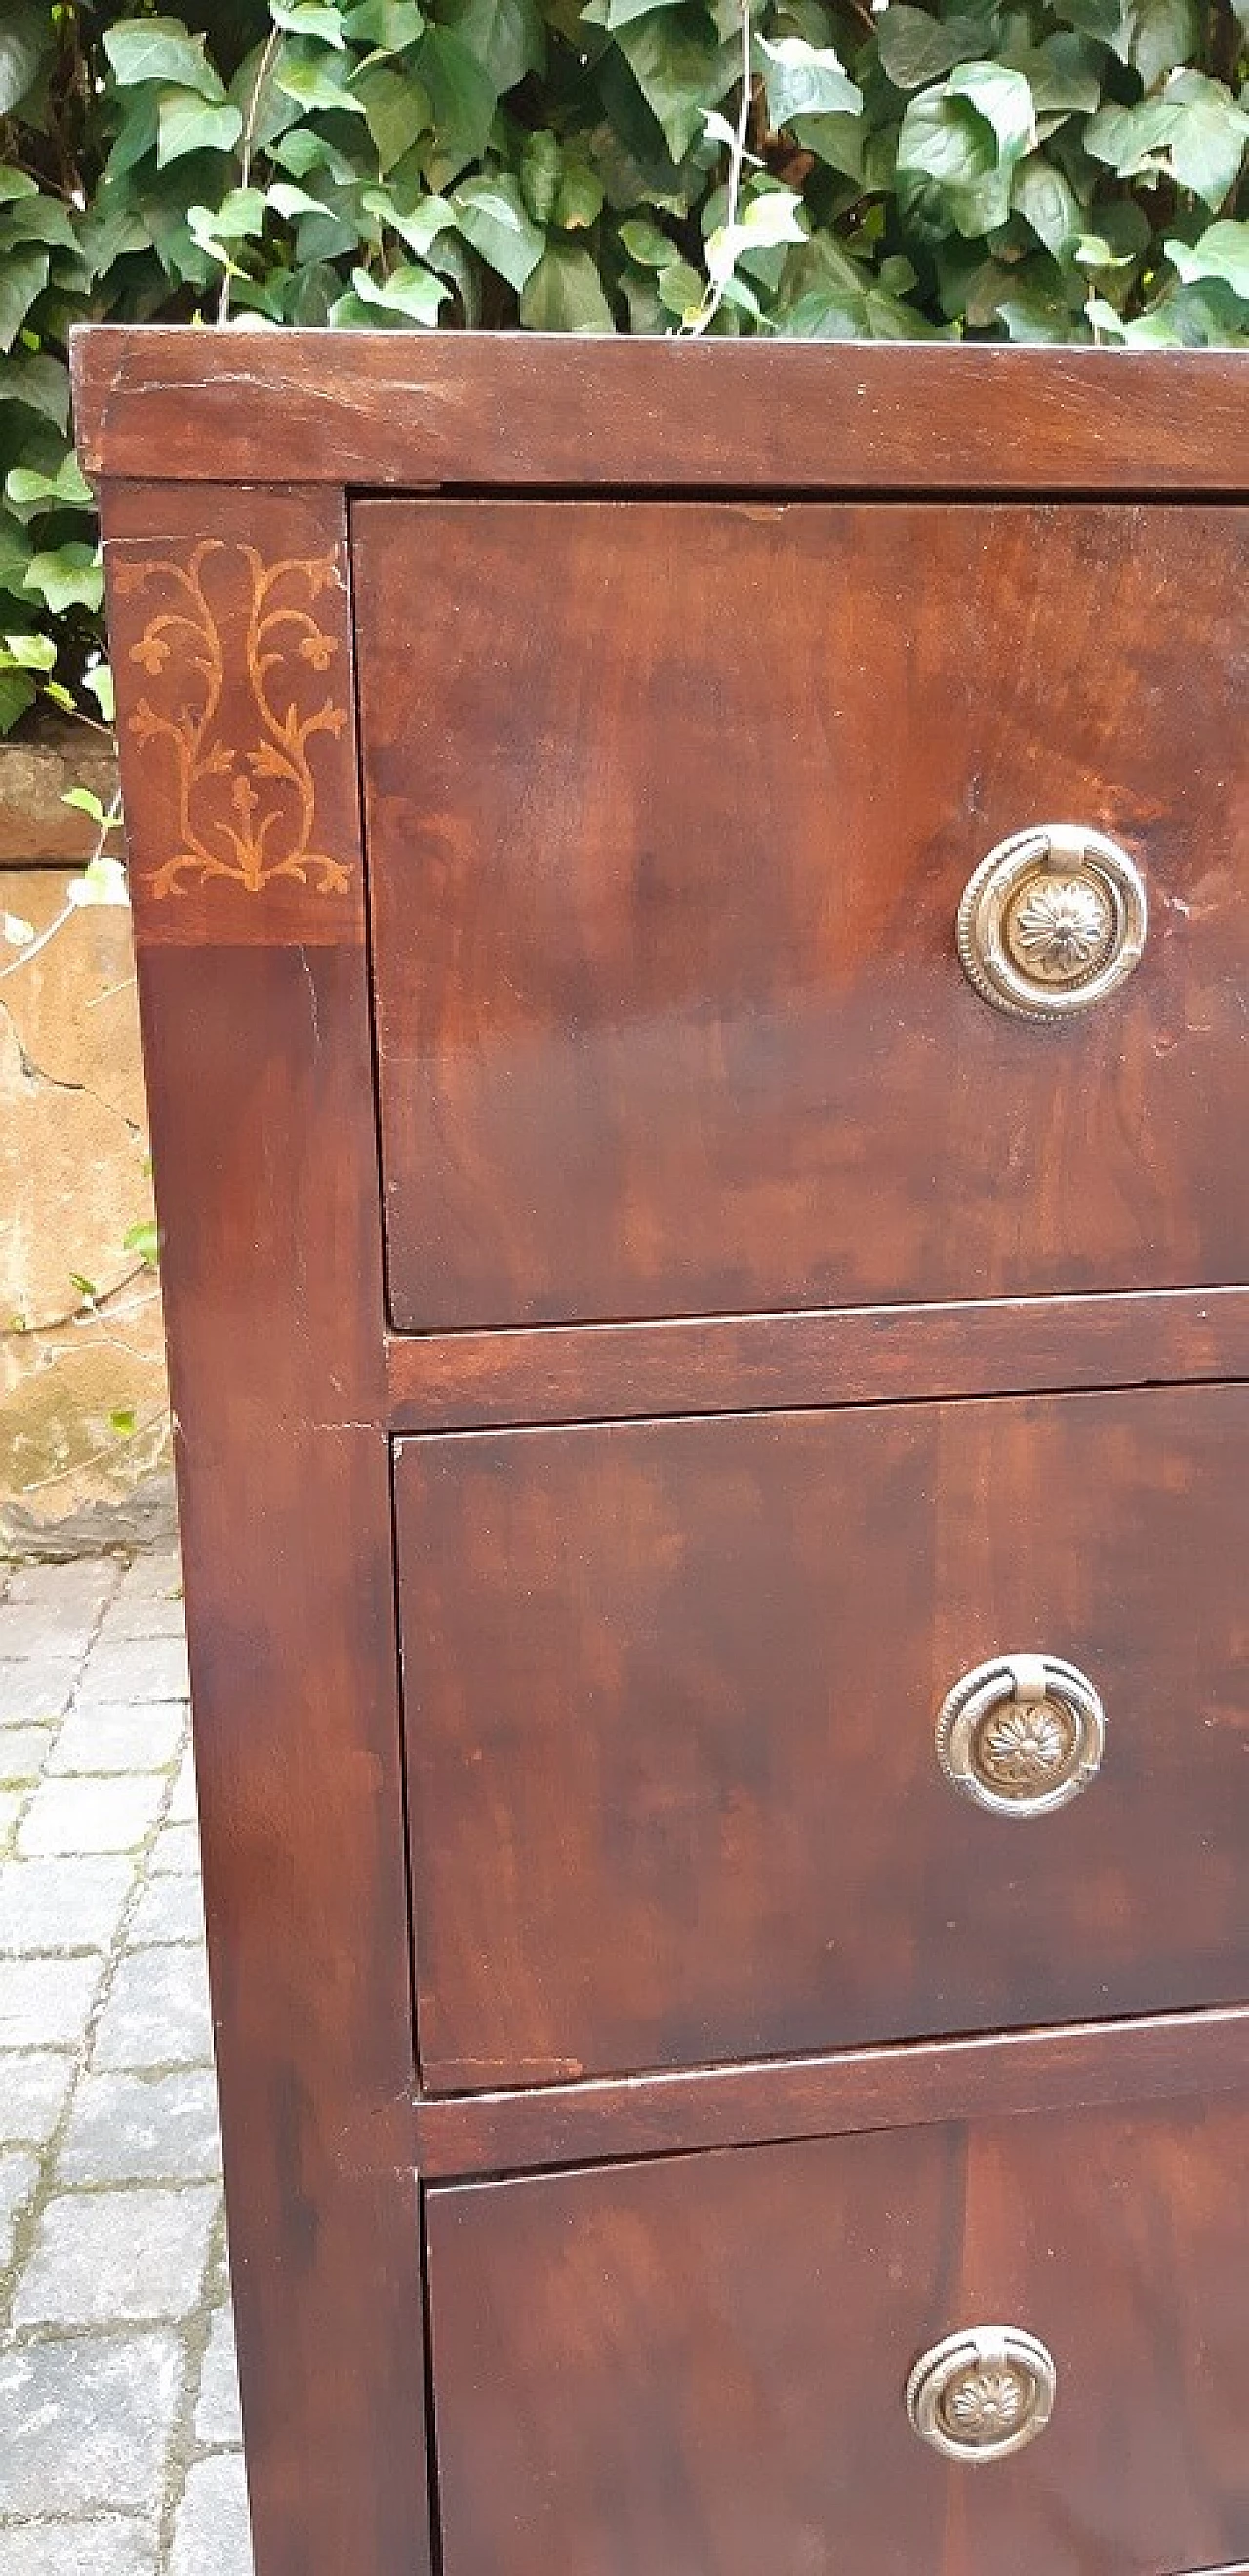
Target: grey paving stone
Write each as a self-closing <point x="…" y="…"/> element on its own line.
<point x="143" y="1614"/>
<point x="182" y="1808"/>
<point x="175" y="1852"/>
<point x="212" y="2536"/>
<point x="169" y="1909"/>
<point x="103" y="2255"/>
<point x="23" y="1752"/>
<point x="157" y="2014"/>
<point x="33" y="2087"/>
<point x="140" y="1737"/>
<point x="87" y="2420"/>
<point x="107" y="2547"/>
<point x="46" y="2003"/>
<point x="35" y="1693"/>
<point x="91" y="1815"/>
<point x="143" y="2128"/>
<point x="63" y="1904"/>
<point x="152" y="1576"/>
<point x="217" y="2417"/>
<point x="84" y="1582"/>
<point x="142" y="1668"/>
<point x="45" y="1628"/>
<point x="19" y="2172"/>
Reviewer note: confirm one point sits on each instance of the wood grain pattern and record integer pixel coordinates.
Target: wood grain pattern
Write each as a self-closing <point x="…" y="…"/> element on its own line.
<point x="670" y="1692"/>
<point x="698" y="2365"/>
<point x="707" y="1364"/>
<point x="1152" y="2057"/>
<point x="256" y="1031"/>
<point x="670" y="1020"/>
<point x="412" y="409"/>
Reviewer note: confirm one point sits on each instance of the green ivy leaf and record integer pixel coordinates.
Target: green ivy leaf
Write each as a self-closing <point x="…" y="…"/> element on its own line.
<point x="948" y="173"/>
<point x="161" y="49"/>
<point x="579" y="202"/>
<point x="85" y="801"/>
<point x="1208" y="144"/>
<point x="1101" y="19"/>
<point x="392" y="25"/>
<point x="39" y="382"/>
<point x="103" y="881"/>
<point x="186" y="123"/>
<point x="1161" y="33"/>
<point x="17" y="692"/>
<point x="621" y="13"/>
<point x="30" y="491"/>
<point x="98" y="679"/>
<point x="419" y="226"/>
<point x="506" y="36"/>
<point x="23" y="276"/>
<point x="397" y="109"/>
<point x="122" y="1420"/>
<point x="463" y="98"/>
<point x="1221" y="253"/>
<point x="315" y="80"/>
<point x="564" y="293"/>
<point x="682" y="69"/>
<point x="806" y="80"/>
<point x="25" y="46"/>
<point x="314" y="18"/>
<point x="1004" y="99"/>
<point x="916" y="48"/>
<point x="493" y="216"/>
<point x="30" y="652"/>
<point x="143" y="1239"/>
<point x="1063" y="74"/>
<point x="410" y="291"/>
<point x="67" y="576"/>
<point x="540" y="174"/>
<point x="1044" y="196"/>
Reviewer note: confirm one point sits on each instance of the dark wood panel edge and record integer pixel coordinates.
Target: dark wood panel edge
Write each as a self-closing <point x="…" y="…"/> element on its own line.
<point x="532" y="411"/>
<point x="623" y="1372"/>
<point x="1151" y="2058"/>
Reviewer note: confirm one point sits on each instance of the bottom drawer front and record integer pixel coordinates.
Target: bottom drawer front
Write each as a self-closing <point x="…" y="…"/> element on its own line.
<point x="698" y="2366"/>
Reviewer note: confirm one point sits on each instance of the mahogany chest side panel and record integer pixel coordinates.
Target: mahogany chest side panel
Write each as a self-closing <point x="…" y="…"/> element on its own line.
<point x="232" y="646"/>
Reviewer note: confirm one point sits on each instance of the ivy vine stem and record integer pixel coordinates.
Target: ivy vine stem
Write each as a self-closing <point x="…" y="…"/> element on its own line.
<point x="246" y="140"/>
<point x="714" y="297"/>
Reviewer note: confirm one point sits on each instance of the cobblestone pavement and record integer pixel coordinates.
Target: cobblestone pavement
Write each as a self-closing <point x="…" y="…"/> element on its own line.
<point x="119" y="2426"/>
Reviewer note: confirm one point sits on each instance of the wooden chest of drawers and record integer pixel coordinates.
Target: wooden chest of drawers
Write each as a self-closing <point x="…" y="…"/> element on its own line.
<point x="693" y="919"/>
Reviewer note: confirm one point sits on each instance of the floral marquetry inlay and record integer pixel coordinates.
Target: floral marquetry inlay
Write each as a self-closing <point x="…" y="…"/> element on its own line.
<point x="237" y="655"/>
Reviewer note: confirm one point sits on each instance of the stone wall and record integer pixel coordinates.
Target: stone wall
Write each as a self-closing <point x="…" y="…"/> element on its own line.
<point x="84" y="1439"/>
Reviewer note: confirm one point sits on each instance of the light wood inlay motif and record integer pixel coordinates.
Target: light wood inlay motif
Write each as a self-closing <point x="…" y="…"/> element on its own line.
<point x="247" y="810"/>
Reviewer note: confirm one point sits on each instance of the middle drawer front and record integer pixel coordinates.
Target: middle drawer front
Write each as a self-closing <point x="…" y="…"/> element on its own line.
<point x="671" y="1691"/>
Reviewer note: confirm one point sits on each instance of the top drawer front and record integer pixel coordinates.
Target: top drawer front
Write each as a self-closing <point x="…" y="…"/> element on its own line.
<point x="670" y="808"/>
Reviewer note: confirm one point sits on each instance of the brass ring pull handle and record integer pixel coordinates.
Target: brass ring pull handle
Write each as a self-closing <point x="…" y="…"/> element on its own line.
<point x="982" y="2394"/>
<point x="1052" y="921"/>
<point x="1021" y="1735"/>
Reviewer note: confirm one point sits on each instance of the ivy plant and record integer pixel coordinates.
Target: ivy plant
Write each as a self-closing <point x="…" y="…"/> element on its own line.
<point x="1049" y="170"/>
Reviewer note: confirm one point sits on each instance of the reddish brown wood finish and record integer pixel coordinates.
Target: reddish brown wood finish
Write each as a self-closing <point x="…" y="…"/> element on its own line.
<point x="657" y="1674"/>
<point x="257" y="1040"/>
<point x="670" y="1696"/>
<point x="615" y="1372"/>
<point x="413" y="409"/>
<point x="1158" y="2057"/>
<point x="699" y="2365"/>
<point x="684" y="799"/>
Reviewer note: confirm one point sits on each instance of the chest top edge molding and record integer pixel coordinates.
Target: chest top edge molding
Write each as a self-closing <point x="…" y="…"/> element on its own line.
<point x="538" y="412"/>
